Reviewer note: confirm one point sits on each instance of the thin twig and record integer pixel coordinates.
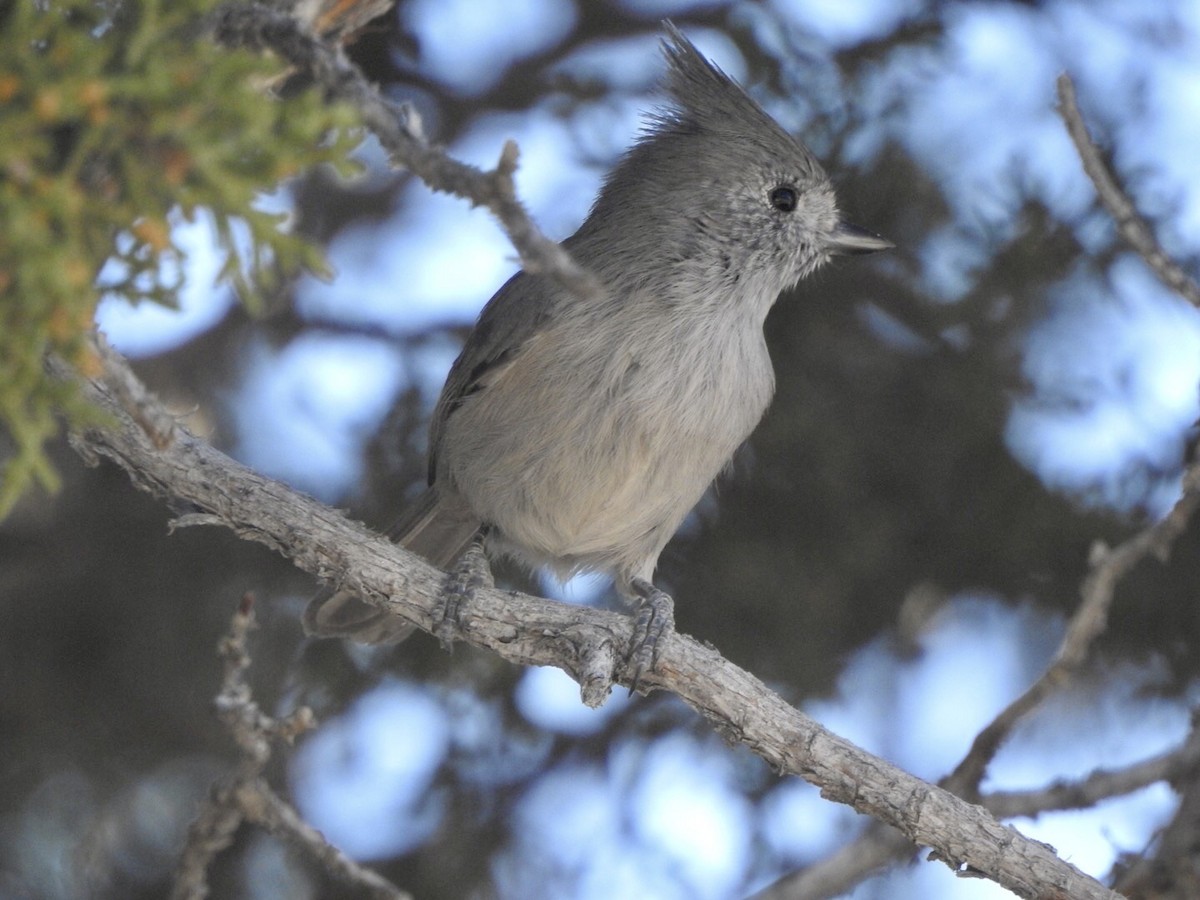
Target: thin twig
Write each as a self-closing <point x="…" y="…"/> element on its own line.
<point x="1101" y="784"/>
<point x="1130" y="224"/>
<point x="245" y="796"/>
<point x="878" y="847"/>
<point x="1088" y="623"/>
<point x="211" y="832"/>
<point x="1166" y="868"/>
<point x="262" y="27"/>
<point x="263" y="806"/>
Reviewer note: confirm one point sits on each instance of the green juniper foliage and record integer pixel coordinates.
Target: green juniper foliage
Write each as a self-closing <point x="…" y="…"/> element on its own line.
<point x="113" y="116"/>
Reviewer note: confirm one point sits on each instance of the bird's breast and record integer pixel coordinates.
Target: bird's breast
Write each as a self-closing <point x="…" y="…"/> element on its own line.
<point x="595" y="443"/>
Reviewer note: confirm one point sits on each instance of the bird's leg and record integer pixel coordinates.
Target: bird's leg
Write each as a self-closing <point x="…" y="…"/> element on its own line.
<point x="470" y="573"/>
<point x="654" y="621"/>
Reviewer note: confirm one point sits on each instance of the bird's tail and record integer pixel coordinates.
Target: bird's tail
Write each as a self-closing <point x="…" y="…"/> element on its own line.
<point x="435" y="527"/>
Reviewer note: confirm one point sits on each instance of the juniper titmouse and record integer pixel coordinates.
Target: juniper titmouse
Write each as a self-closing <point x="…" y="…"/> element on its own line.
<point x="579" y="431"/>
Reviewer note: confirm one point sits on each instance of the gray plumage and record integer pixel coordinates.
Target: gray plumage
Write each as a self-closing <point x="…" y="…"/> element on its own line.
<point x="583" y="431"/>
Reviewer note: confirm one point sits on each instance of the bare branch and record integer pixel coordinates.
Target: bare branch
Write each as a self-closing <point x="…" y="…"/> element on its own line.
<point x="210" y="833"/>
<point x="262" y="27"/>
<point x="1167" y="868"/>
<point x="245" y="796"/>
<point x="881" y="846"/>
<point x="878" y="846"/>
<point x="1131" y="226"/>
<point x="1100" y="784"/>
<point x="1088" y="623"/>
<point x="263" y="806"/>
<point x="533" y="631"/>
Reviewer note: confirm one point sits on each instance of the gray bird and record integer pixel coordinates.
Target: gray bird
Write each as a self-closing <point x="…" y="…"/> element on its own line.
<point x="577" y="432"/>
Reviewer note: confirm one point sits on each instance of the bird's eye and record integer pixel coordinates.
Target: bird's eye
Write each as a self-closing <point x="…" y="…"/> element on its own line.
<point x="784" y="198"/>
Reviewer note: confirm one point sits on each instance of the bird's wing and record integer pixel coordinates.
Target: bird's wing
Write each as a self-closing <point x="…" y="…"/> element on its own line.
<point x="518" y="311"/>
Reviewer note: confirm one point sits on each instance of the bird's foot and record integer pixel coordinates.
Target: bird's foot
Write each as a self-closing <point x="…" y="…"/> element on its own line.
<point x="653" y="623"/>
<point x="470" y="573"/>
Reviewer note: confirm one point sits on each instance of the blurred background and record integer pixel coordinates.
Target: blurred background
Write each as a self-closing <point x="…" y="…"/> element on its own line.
<point x="896" y="549"/>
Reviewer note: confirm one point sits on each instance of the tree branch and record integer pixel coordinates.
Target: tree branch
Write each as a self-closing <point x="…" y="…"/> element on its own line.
<point x="880" y="846"/>
<point x="877" y="847"/>
<point x="1131" y="226"/>
<point x="533" y="631"/>
<point x="245" y="796"/>
<point x="1108" y="566"/>
<point x="261" y="27"/>
<point x="1167" y="868"/>
<point x="1101" y="784"/>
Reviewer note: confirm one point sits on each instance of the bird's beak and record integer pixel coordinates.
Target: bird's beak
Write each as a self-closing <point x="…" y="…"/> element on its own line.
<point x="849" y="239"/>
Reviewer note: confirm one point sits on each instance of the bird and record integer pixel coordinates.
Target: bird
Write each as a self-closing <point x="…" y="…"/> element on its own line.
<point x="575" y="432"/>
